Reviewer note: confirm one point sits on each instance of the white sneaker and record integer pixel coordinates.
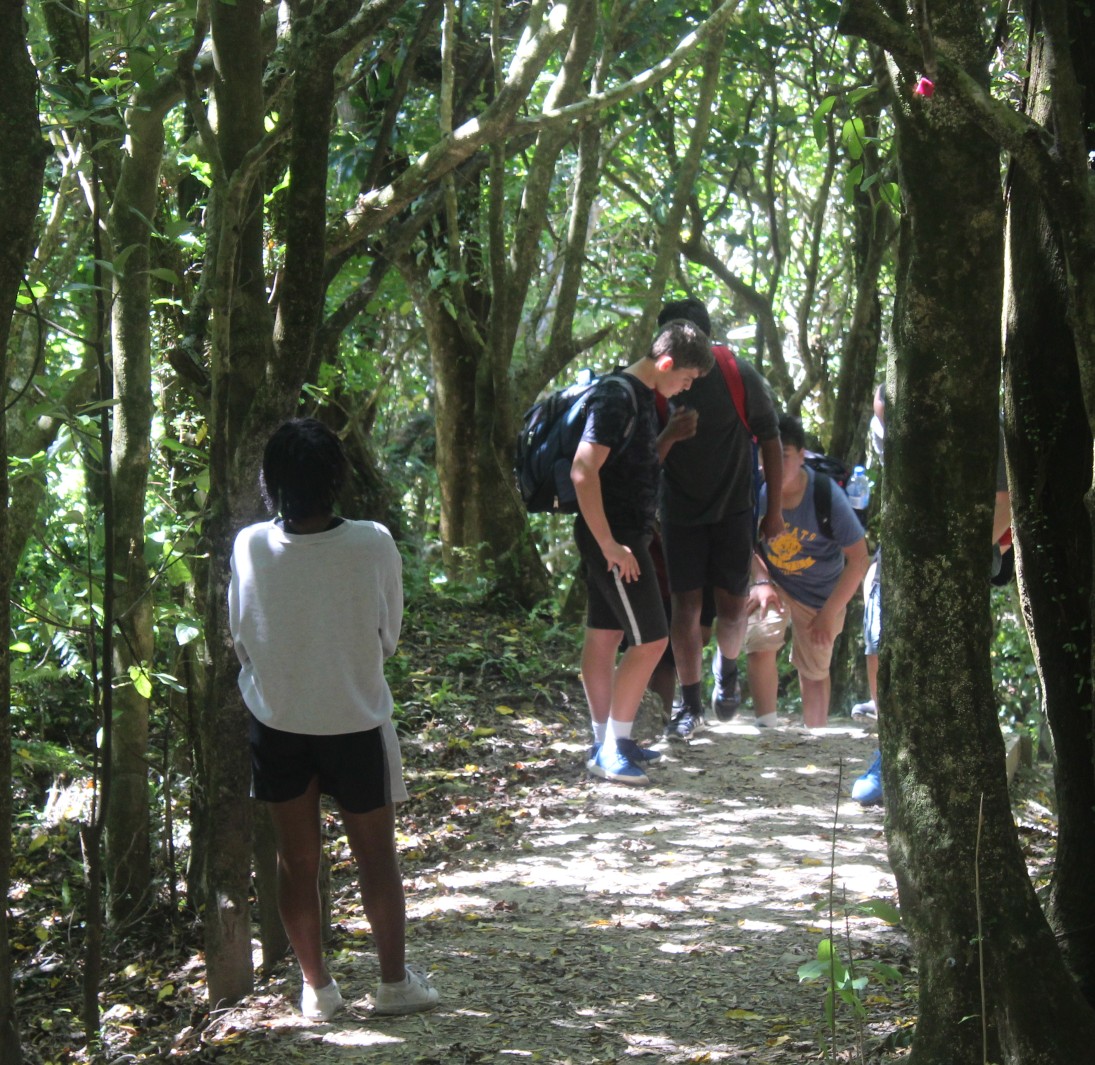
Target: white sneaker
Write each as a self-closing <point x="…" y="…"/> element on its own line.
<point x="320" y="1004"/>
<point x="412" y="994"/>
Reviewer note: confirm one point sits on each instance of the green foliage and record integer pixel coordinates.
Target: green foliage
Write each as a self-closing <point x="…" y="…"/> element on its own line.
<point x="844" y="981"/>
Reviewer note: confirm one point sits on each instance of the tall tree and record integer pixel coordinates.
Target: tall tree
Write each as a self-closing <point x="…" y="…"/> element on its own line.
<point x="965" y="894"/>
<point x="1050" y="462"/>
<point x="22" y="165"/>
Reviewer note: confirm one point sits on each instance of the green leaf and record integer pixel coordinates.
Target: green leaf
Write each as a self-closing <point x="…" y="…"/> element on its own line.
<point x="142" y="682"/>
<point x="853" y="136"/>
<point x="883" y="909"/>
<point x="185" y="633"/>
<point x="20" y="648"/>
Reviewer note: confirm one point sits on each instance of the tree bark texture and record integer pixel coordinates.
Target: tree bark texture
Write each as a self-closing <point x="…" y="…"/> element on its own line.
<point x="128" y="858"/>
<point x="965" y="894"/>
<point x="22" y="165"/>
<point x="241" y="353"/>
<point x="1050" y="465"/>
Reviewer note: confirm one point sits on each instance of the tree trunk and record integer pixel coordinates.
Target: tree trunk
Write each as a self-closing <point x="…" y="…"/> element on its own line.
<point x="241" y="351"/>
<point x="128" y="862"/>
<point x="1050" y="465"/>
<point x="965" y="895"/>
<point x="22" y="165"/>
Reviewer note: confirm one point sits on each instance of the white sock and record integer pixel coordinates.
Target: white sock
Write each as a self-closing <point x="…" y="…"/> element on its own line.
<point x="599" y="730"/>
<point x="768" y="720"/>
<point x="617" y="730"/>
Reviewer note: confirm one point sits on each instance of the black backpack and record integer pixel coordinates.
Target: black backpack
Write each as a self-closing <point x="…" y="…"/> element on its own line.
<point x="827" y="471"/>
<point x="549" y="438"/>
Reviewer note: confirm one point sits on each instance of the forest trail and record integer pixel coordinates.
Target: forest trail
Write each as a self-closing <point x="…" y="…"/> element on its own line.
<point x="576" y="920"/>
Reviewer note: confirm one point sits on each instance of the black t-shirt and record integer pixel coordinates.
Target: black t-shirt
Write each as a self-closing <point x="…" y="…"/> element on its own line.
<point x="629" y="477"/>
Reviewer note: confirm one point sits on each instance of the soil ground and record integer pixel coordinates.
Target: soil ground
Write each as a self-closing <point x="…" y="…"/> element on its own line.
<point x="598" y="922"/>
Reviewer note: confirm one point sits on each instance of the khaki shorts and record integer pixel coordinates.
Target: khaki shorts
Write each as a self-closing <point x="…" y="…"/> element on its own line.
<point x="770" y="633"/>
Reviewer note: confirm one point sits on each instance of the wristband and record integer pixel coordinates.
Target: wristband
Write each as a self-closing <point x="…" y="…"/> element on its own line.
<point x="755" y="583"/>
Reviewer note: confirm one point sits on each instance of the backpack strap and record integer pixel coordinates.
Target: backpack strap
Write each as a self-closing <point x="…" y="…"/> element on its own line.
<point x="622" y="379"/>
<point x="823" y="503"/>
<point x="731" y="374"/>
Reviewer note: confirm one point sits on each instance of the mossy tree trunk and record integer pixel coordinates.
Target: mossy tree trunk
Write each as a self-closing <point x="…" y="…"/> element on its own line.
<point x="976" y="924"/>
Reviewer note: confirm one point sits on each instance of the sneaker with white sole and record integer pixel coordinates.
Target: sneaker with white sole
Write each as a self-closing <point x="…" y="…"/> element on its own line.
<point x="320" y="1004"/>
<point x="617" y="766"/>
<point x="867" y="789"/>
<point x="412" y="994"/>
<point x="644" y="757"/>
<point x="685" y="725"/>
<point x="640" y="756"/>
<point x="866" y="710"/>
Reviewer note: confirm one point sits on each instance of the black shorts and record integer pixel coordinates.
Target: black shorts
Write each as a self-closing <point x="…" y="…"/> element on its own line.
<point x="718" y="555"/>
<point x="631" y="607"/>
<point x="361" y="771"/>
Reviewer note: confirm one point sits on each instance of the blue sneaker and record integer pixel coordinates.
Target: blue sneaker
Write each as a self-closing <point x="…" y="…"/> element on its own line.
<point x="617" y="766"/>
<point x="592" y="768"/>
<point x="640" y="756"/>
<point x="867" y="790"/>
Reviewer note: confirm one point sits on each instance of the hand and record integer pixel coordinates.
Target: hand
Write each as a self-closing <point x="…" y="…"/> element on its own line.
<point x="822" y="629"/>
<point x="771" y="526"/>
<point x="620" y="558"/>
<point x="682" y="424"/>
<point x="763" y="598"/>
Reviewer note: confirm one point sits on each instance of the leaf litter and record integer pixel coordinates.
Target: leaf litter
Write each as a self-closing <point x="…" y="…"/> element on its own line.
<point x="570" y="920"/>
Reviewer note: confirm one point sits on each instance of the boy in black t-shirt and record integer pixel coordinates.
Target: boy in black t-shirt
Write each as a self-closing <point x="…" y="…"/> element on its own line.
<point x="615" y="475"/>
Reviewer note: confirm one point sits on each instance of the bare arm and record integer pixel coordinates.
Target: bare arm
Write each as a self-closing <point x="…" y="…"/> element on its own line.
<point x="585" y="473"/>
<point x="856" y="563"/>
<point x="1001" y="516"/>
<point x="771" y="454"/>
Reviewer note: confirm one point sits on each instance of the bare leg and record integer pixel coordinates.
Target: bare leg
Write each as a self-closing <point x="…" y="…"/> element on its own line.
<point x="872" y="678"/>
<point x="372" y="842"/>
<point x="730" y="623"/>
<point x="598" y="668"/>
<point x="296" y="826"/>
<point x="815" y="701"/>
<point x="631" y="678"/>
<point x="663" y="683"/>
<point x="685" y="632"/>
<point x="763" y="681"/>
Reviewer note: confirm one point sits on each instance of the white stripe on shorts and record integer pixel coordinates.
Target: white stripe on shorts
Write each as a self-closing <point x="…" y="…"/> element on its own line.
<point x="634" y="636"/>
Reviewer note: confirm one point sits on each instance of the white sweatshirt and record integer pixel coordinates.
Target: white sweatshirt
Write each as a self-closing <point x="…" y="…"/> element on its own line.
<point x="313" y="617"/>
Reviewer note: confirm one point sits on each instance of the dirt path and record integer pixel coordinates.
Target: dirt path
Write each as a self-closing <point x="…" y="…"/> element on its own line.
<point x="582" y="921"/>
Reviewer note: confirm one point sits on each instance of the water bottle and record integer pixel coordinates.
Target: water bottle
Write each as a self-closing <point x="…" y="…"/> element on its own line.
<point x="859" y="489"/>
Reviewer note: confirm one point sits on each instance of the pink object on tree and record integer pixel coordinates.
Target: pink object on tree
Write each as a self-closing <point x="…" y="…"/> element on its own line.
<point x="924" y="87"/>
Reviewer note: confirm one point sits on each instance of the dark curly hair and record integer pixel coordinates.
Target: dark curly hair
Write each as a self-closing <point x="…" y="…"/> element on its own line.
<point x="303" y="469"/>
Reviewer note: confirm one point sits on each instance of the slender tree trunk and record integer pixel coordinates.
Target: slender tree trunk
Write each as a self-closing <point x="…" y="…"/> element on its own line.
<point x="1050" y="465"/>
<point x="242" y="349"/>
<point x="128" y="863"/>
<point x="22" y="165"/>
<point x="965" y="894"/>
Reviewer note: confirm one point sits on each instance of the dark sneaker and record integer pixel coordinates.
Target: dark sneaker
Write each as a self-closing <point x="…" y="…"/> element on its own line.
<point x="685" y="725"/>
<point x="617" y="766"/>
<point x="726" y="700"/>
<point x="867" y="790"/>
